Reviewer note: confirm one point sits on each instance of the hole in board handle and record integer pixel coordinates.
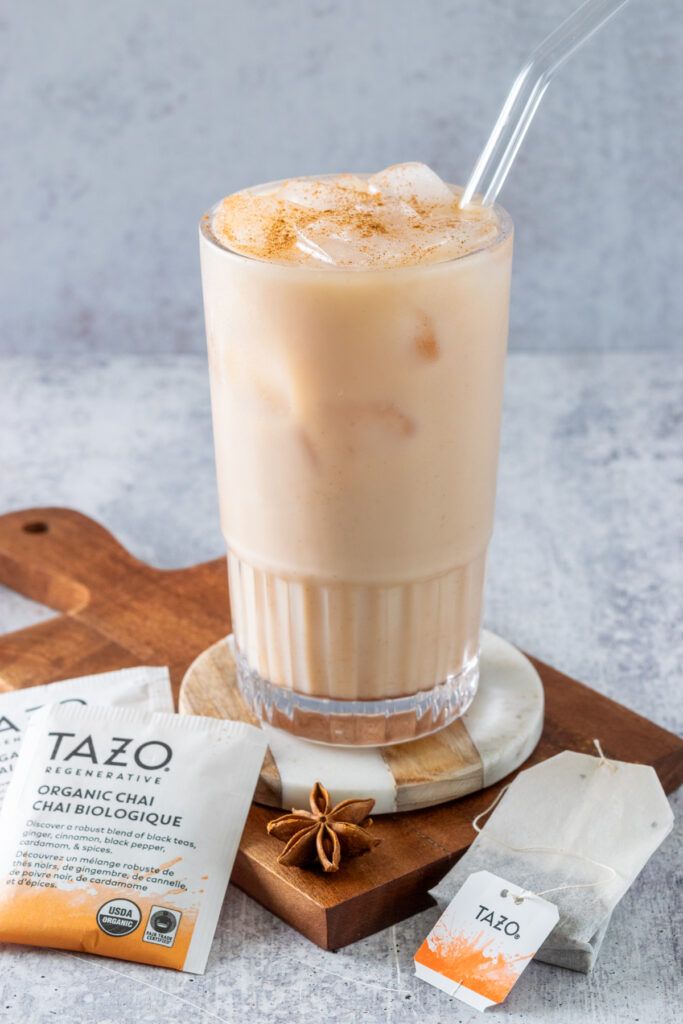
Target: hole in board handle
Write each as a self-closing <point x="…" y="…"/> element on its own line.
<point x="37" y="526"/>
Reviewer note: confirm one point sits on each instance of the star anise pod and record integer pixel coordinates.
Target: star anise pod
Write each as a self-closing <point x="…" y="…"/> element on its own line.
<point x="324" y="833"/>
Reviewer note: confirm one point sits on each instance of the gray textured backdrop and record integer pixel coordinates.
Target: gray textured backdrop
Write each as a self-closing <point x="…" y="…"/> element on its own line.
<point x="121" y="122"/>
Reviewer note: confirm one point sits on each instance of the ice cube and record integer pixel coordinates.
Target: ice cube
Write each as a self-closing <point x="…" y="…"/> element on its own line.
<point x="414" y="183"/>
<point x="388" y="415"/>
<point x="327" y="241"/>
<point x="322" y="195"/>
<point x="246" y="222"/>
<point x="425" y="341"/>
<point x="375" y="414"/>
<point x="307" y="244"/>
<point x="366" y="234"/>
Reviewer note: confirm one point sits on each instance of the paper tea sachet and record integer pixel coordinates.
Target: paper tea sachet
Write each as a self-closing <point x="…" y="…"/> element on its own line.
<point x="484" y="939"/>
<point x="145" y="687"/>
<point x="577" y="829"/>
<point x="119" y="831"/>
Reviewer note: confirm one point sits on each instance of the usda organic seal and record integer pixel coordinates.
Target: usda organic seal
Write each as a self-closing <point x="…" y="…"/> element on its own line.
<point x="119" y="917"/>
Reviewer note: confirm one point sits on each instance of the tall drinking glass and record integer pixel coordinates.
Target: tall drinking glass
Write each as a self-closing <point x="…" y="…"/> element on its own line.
<point x="356" y="418"/>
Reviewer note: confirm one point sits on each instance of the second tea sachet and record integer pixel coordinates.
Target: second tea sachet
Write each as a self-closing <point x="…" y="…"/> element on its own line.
<point x="145" y="687"/>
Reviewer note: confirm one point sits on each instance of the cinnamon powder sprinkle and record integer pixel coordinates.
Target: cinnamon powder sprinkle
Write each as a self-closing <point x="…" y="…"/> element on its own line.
<point x="280" y="238"/>
<point x="349" y="221"/>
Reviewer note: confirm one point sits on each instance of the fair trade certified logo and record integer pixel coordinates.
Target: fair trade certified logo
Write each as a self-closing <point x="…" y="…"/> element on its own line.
<point x="118" y="917"/>
<point x="162" y="926"/>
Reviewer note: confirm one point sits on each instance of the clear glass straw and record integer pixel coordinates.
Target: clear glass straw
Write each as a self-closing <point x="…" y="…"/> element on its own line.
<point x="492" y="167"/>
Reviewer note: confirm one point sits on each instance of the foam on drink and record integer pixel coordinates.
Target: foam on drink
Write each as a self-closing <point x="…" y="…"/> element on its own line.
<point x="402" y="216"/>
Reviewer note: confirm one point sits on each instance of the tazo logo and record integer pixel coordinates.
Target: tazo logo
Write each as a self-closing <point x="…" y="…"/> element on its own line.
<point x="152" y="755"/>
<point x="503" y="924"/>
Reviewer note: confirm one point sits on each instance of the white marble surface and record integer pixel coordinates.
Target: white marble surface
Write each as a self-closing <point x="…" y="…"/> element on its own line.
<point x="586" y="572"/>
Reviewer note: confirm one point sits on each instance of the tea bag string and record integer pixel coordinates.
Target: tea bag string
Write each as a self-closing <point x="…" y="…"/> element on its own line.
<point x="604" y="760"/>
<point x="550" y="849"/>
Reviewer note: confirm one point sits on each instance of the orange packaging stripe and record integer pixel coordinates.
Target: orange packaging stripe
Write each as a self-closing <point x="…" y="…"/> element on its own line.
<point x="67" y="919"/>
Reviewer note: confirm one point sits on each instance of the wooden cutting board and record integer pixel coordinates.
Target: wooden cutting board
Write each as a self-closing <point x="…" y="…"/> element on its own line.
<point x="115" y="611"/>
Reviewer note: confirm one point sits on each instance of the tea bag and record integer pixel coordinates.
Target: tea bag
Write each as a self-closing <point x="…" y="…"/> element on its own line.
<point x="575" y="829"/>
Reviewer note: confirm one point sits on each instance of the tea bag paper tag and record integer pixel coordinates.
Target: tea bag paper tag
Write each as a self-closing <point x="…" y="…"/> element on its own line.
<point x="484" y="939"/>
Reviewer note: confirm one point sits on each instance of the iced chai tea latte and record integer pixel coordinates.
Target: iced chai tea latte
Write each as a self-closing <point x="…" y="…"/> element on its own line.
<point x="356" y="330"/>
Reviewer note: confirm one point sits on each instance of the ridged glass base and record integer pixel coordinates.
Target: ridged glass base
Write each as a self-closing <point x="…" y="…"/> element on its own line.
<point x="358" y="722"/>
<point x="353" y="642"/>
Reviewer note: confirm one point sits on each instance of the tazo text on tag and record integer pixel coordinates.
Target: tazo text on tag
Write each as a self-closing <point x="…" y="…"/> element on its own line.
<point x="484" y="939"/>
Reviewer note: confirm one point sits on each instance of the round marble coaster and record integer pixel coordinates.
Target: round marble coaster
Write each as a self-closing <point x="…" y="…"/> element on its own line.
<point x="494" y="736"/>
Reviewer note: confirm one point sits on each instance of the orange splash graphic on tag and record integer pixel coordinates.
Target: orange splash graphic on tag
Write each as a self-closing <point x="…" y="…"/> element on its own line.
<point x="472" y="961"/>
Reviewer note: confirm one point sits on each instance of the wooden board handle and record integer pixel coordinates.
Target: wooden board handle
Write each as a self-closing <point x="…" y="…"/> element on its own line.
<point x="59" y="557"/>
